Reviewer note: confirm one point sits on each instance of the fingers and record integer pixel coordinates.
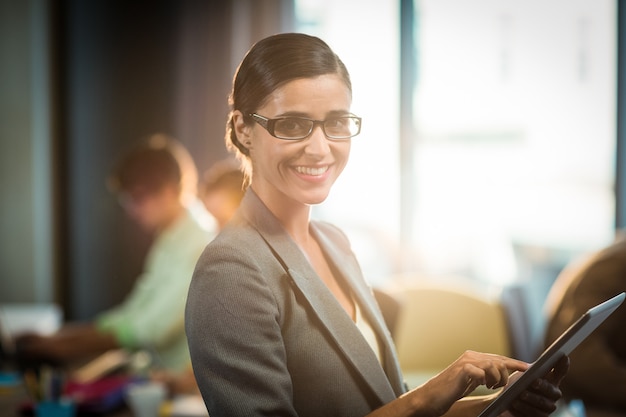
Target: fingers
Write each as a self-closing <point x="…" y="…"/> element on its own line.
<point x="496" y="375"/>
<point x="539" y="400"/>
<point x="530" y="405"/>
<point x="471" y="384"/>
<point x="557" y="374"/>
<point x="515" y="365"/>
<point x="464" y="375"/>
<point x="487" y="369"/>
<point x="497" y="368"/>
<point x="542" y="396"/>
<point x="545" y="389"/>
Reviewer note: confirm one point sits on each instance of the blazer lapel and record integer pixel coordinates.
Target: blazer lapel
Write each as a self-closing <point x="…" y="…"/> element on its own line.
<point x="330" y="313"/>
<point x="350" y="270"/>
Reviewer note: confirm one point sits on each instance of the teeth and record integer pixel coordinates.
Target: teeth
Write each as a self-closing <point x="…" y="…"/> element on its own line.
<point x="311" y="171"/>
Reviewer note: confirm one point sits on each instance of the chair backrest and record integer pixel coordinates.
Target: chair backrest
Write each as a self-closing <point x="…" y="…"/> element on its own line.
<point x="389" y="307"/>
<point x="437" y="323"/>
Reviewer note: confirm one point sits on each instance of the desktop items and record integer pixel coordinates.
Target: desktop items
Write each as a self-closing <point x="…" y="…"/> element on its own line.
<point x="46" y="393"/>
<point x="146" y="398"/>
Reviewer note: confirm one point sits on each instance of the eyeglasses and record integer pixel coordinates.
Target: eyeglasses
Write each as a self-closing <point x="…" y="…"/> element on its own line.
<point x="298" y="128"/>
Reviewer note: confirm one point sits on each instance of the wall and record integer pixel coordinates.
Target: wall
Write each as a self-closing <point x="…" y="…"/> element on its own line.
<point x="80" y="81"/>
<point x="127" y="68"/>
<point x="26" y="261"/>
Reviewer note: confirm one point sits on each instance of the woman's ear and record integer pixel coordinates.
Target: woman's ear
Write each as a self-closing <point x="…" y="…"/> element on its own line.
<point x="242" y="130"/>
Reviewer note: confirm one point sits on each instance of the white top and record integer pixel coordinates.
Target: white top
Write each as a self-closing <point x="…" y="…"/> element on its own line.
<point x="367" y="331"/>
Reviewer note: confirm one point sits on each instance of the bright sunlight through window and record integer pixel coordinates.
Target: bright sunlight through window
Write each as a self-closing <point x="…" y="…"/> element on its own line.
<point x="515" y="134"/>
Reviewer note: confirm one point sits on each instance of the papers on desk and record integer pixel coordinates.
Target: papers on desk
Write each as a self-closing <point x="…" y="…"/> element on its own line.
<point x="185" y="406"/>
<point x="26" y="317"/>
<point x="16" y="318"/>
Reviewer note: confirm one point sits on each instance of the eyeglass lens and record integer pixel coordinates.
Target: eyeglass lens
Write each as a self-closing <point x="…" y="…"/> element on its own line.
<point x="337" y="127"/>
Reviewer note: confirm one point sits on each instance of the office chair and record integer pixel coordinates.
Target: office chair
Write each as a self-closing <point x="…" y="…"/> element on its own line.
<point x="438" y="322"/>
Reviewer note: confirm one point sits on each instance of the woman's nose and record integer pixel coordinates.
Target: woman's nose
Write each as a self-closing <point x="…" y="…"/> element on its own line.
<point x="317" y="142"/>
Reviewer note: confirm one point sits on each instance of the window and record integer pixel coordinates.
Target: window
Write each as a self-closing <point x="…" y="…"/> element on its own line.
<point x="515" y="118"/>
<point x="515" y="134"/>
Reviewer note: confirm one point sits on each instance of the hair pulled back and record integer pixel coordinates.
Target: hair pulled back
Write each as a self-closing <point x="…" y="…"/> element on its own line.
<point x="268" y="65"/>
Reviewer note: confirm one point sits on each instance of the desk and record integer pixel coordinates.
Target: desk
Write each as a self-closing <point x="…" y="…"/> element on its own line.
<point x="14" y="397"/>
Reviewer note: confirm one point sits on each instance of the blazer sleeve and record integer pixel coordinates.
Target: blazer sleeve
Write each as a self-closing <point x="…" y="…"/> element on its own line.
<point x="233" y="329"/>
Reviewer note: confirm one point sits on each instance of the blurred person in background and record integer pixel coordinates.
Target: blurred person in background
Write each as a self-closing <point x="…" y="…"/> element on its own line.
<point x="597" y="374"/>
<point x="221" y="190"/>
<point x="155" y="182"/>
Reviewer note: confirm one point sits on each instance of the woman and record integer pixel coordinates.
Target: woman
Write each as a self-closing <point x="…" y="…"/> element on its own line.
<point x="279" y="319"/>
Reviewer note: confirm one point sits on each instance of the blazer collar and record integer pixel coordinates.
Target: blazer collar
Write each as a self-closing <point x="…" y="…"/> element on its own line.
<point x="330" y="313"/>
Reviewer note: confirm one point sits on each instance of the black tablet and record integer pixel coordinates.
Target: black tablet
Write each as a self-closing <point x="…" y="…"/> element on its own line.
<point x="564" y="345"/>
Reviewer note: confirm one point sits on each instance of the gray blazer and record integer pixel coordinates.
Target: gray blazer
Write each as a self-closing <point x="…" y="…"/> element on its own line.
<point x="268" y="338"/>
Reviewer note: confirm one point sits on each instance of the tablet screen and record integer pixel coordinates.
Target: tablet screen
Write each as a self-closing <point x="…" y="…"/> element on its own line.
<point x="564" y="345"/>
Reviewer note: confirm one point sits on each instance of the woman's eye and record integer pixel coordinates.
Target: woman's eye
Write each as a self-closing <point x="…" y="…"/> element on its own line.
<point x="293" y="125"/>
<point x="335" y="123"/>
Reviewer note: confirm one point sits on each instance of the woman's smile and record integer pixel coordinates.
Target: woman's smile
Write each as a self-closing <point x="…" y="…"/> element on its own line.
<point x="313" y="174"/>
<point x="312" y="171"/>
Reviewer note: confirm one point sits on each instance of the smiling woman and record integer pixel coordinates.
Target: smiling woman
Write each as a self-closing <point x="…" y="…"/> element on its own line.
<point x="279" y="318"/>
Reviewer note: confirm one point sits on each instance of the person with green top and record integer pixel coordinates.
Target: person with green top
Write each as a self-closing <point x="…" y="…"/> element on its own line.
<point x="155" y="182"/>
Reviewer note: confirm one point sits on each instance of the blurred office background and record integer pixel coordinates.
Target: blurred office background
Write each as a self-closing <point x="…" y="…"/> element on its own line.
<point x="491" y="148"/>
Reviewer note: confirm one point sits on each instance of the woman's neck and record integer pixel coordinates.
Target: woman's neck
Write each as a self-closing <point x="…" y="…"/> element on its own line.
<point x="294" y="216"/>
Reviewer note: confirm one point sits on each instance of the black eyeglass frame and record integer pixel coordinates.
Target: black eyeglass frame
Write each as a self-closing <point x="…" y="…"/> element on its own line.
<point x="268" y="124"/>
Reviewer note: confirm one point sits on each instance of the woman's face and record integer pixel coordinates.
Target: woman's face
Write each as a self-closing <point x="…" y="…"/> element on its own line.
<point x="298" y="171"/>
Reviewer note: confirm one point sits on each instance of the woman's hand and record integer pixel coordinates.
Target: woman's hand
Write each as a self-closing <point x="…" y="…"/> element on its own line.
<point x="540" y="399"/>
<point x="462" y="377"/>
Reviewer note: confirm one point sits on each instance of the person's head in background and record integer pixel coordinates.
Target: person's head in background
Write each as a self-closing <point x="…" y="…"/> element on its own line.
<point x="154" y="180"/>
<point x="221" y="190"/>
<point x="315" y="85"/>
